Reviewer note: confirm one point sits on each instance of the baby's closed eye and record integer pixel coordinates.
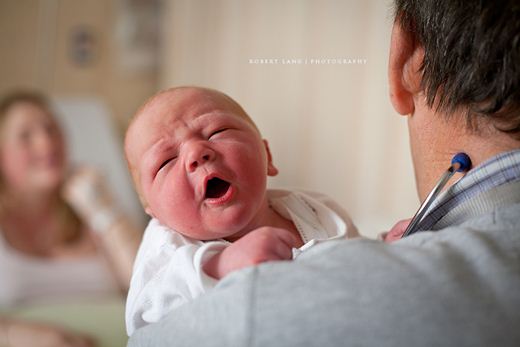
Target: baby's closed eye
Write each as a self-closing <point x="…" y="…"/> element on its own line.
<point x="219" y="131"/>
<point x="166" y="162"/>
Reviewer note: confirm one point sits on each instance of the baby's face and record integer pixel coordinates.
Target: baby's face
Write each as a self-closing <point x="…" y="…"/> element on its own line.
<point x="200" y="165"/>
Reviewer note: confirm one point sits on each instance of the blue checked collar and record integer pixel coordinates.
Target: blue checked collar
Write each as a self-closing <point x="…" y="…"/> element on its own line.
<point x="499" y="170"/>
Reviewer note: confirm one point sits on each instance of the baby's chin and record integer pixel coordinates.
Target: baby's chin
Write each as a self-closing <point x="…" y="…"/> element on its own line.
<point x="209" y="235"/>
<point x="226" y="231"/>
<point x="230" y="224"/>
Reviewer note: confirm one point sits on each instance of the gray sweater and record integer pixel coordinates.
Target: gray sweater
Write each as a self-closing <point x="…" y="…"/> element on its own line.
<point x="457" y="286"/>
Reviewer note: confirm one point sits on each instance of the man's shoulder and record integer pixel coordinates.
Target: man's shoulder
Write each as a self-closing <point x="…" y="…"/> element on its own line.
<point x="392" y="293"/>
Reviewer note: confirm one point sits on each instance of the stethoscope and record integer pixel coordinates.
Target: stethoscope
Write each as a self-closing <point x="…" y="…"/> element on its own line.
<point x="459" y="163"/>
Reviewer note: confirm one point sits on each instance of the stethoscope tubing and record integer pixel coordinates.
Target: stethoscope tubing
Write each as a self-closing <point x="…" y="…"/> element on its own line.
<point x="460" y="163"/>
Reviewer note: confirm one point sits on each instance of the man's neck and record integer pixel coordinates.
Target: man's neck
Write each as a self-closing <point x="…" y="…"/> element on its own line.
<point x="449" y="137"/>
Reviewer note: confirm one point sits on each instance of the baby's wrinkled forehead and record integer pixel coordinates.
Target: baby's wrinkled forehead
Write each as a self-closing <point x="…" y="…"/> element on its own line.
<point x="189" y="101"/>
<point x="173" y="104"/>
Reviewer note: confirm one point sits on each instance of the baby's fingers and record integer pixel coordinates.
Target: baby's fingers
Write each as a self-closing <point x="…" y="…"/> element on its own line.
<point x="397" y="230"/>
<point x="273" y="243"/>
<point x="286" y="237"/>
<point x="283" y="250"/>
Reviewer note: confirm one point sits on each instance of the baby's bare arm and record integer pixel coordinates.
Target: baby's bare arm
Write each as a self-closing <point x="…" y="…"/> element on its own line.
<point x="260" y="245"/>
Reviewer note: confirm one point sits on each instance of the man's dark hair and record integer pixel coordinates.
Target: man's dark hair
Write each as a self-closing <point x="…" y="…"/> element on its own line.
<point x="471" y="56"/>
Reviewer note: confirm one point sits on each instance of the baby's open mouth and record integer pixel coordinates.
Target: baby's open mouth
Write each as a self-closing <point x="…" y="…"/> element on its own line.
<point x="216" y="188"/>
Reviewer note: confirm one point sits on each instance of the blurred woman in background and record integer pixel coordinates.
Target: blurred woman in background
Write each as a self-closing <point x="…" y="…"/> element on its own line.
<point x="61" y="235"/>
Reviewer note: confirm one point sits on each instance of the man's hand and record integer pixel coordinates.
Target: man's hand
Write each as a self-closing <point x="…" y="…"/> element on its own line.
<point x="258" y="246"/>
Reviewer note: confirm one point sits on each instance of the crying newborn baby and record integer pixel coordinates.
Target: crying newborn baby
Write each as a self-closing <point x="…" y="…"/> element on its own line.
<point x="200" y="167"/>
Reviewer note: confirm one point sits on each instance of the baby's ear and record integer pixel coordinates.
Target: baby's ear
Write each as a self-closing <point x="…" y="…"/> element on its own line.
<point x="149" y="212"/>
<point x="271" y="169"/>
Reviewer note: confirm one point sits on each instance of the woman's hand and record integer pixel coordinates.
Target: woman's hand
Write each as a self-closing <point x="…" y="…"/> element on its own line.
<point x="87" y="192"/>
<point x="23" y="334"/>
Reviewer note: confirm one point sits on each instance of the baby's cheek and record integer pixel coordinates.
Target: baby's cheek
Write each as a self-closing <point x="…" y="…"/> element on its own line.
<point x="181" y="217"/>
<point x="179" y="207"/>
<point x="251" y="161"/>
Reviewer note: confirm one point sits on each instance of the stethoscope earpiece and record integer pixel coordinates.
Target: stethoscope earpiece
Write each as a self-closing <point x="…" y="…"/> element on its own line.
<point x="463" y="160"/>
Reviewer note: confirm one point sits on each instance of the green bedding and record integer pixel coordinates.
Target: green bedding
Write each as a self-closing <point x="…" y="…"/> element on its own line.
<point x="103" y="318"/>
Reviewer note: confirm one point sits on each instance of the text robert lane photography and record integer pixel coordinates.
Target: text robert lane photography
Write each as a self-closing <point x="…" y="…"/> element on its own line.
<point x="307" y="61"/>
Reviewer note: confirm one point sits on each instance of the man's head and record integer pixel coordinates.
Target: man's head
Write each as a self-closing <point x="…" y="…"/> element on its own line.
<point x="471" y="57"/>
<point x="454" y="69"/>
<point x="198" y="162"/>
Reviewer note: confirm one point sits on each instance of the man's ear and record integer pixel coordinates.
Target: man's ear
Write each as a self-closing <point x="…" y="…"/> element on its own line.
<point x="404" y="75"/>
<point x="271" y="169"/>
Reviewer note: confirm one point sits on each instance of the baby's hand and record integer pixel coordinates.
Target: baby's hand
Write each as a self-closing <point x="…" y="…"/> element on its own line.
<point x="397" y="231"/>
<point x="258" y="246"/>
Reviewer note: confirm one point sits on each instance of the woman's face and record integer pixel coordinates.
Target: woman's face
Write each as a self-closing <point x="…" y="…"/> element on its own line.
<point x="32" y="151"/>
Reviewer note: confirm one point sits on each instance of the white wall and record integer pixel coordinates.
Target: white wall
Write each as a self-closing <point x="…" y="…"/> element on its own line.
<point x="331" y="126"/>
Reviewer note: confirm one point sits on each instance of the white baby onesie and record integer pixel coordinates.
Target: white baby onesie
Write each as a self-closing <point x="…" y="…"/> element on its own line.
<point x="168" y="267"/>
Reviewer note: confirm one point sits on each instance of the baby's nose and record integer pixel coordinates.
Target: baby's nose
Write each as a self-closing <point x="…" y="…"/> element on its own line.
<point x="199" y="155"/>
